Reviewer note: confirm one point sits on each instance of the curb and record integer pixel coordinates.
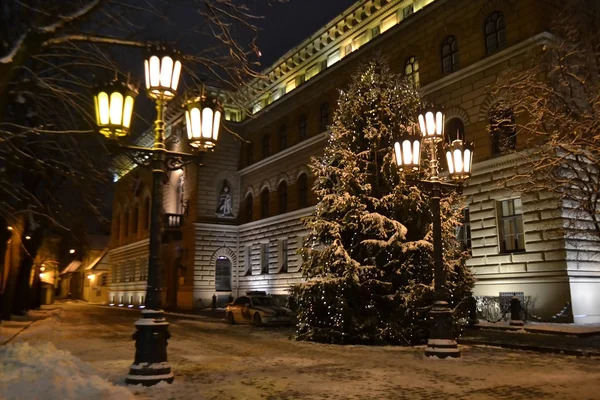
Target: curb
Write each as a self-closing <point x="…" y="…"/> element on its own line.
<point x="538" y="349"/>
<point x="534" y="330"/>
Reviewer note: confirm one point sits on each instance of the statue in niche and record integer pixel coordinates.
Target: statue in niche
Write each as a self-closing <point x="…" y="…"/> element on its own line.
<point x="225" y="207"/>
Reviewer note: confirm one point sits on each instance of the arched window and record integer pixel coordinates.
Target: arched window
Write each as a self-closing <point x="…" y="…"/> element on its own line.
<point x="324" y="116"/>
<point x="223" y="274"/>
<point x="249" y="206"/>
<point x="450" y="54"/>
<point x="495" y="32"/>
<point x="455" y="129"/>
<point x="283" y="137"/>
<point x="302" y="126"/>
<point x="135" y="218"/>
<point x="411" y="70"/>
<point x="265" y="146"/>
<point x="249" y="153"/>
<point x="264" y="203"/>
<point x="282" y="197"/>
<point x="302" y="190"/>
<point x="503" y="131"/>
<point x="146" y="214"/>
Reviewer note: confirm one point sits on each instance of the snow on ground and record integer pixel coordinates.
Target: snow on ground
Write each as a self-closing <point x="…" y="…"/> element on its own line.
<point x="217" y="361"/>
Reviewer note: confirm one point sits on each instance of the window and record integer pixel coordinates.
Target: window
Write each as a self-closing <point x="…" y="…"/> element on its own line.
<point x="411" y="70"/>
<point x="312" y="71"/>
<point x="302" y="191"/>
<point x="282" y="197"/>
<point x="223" y="274"/>
<point x="359" y="41"/>
<point x="113" y="274"/>
<point x="131" y="271"/>
<point x="276" y="94"/>
<point x="463" y="233"/>
<point x="408" y="11"/>
<point x="122" y="273"/>
<point x="283" y="255"/>
<point x="455" y="129"/>
<point x="450" y="54"/>
<point x="250" y="153"/>
<point x="248" y="261"/>
<point x="283" y="137"/>
<point x="300" y="79"/>
<point x="302" y="126"/>
<point x="502" y="129"/>
<point x="264" y="203"/>
<point x="375" y="31"/>
<point x="333" y="58"/>
<point x="495" y="32"/>
<point x="135" y="219"/>
<point x="103" y="280"/>
<point x="264" y="258"/>
<point x="512" y="238"/>
<point x="249" y="207"/>
<point x="324" y="116"/>
<point x="265" y="146"/>
<point x="388" y="22"/>
<point x="257" y="107"/>
<point x="291" y="85"/>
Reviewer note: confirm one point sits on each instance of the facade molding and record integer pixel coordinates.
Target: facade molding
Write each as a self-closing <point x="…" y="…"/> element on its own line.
<point x="129" y="246"/>
<point x="215" y="227"/>
<point x="294" y="215"/>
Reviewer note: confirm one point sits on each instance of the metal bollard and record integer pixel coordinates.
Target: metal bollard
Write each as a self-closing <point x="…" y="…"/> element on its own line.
<point x="515" y="312"/>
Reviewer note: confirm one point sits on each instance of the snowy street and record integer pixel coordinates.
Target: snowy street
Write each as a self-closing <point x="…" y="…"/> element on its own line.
<point x="217" y="361"/>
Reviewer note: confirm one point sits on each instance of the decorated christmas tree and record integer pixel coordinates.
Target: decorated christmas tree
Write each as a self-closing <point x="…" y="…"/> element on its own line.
<point x="368" y="259"/>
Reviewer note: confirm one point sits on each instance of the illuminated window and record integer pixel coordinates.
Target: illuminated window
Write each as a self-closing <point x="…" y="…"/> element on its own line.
<point x="495" y="32"/>
<point x="502" y="129"/>
<point x="359" y="41"/>
<point x="264" y="203"/>
<point x="411" y="70"/>
<point x="388" y="22"/>
<point x="512" y="237"/>
<point x="266" y="146"/>
<point x="276" y="94"/>
<point x="282" y="197"/>
<point x="333" y="58"/>
<point x="450" y="54"/>
<point x="291" y="85"/>
<point x="324" y="116"/>
<point x="283" y="137"/>
<point x="312" y="71"/>
<point x="302" y="126"/>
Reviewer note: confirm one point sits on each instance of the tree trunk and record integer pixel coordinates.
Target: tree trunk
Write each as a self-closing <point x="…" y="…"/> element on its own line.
<point x="21" y="301"/>
<point x="12" y="262"/>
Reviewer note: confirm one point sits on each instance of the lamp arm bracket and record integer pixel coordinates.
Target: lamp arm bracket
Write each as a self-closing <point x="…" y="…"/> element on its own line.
<point x="445" y="188"/>
<point x="143" y="156"/>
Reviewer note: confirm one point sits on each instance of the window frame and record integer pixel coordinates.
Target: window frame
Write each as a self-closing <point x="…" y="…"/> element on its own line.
<point x="249" y="203"/>
<point x="282" y="197"/>
<point x="516" y="221"/>
<point x="303" y="127"/>
<point x="497" y="33"/>
<point x="266" y="145"/>
<point x="413" y="76"/>
<point x="264" y="258"/>
<point x="283" y="137"/>
<point x="264" y="203"/>
<point x="501" y="130"/>
<point x="450" y="42"/>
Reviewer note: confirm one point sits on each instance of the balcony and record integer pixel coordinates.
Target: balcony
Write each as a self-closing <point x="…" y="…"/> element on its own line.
<point x="172" y="227"/>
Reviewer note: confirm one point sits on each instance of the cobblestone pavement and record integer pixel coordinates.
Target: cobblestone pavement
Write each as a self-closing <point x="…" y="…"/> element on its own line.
<point x="218" y="361"/>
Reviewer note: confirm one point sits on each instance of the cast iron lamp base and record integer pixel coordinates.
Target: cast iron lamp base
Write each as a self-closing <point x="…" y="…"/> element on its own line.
<point x="150" y="365"/>
<point x="441" y="341"/>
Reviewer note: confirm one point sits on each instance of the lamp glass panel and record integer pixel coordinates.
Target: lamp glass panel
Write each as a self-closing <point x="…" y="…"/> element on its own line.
<point x="422" y="125"/>
<point x="166" y="71"/>
<point x="468" y="160"/>
<point x="406" y="152"/>
<point x="176" y="74"/>
<point x="97" y="110"/>
<point x="217" y="125"/>
<point x="398" y="153"/>
<point x="417" y="152"/>
<point x="196" y="123"/>
<point x="430" y="123"/>
<point x="439" y="123"/>
<point x="207" y="120"/>
<point x="127" y="111"/>
<point x="188" y="124"/>
<point x="147" y="71"/>
<point x="458" y="161"/>
<point x="103" y="108"/>
<point x="154" y="71"/>
<point x="450" y="162"/>
<point x="116" y="108"/>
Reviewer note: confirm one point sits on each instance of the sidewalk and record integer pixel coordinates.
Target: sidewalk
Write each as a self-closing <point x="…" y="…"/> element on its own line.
<point x="578" y="340"/>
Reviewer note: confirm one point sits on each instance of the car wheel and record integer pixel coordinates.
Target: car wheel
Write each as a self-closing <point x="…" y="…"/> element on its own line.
<point x="230" y="318"/>
<point x="257" y="320"/>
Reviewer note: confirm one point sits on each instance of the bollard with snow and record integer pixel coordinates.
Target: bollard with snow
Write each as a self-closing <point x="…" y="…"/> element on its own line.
<point x="213" y="305"/>
<point x="515" y="312"/>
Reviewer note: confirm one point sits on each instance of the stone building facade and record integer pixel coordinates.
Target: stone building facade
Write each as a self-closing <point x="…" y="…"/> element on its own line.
<point x="454" y="50"/>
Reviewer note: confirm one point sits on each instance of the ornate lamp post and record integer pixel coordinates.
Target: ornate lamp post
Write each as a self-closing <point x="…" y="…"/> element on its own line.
<point x="459" y="155"/>
<point x="114" y="107"/>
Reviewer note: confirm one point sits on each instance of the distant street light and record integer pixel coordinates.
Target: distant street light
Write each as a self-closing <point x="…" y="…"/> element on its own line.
<point x="459" y="156"/>
<point x="114" y="106"/>
<point x="72" y="251"/>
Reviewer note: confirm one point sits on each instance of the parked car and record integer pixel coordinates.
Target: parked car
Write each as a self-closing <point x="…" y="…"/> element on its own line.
<point x="257" y="309"/>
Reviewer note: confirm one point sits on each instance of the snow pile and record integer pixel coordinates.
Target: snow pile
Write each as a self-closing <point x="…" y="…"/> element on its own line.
<point x="42" y="372"/>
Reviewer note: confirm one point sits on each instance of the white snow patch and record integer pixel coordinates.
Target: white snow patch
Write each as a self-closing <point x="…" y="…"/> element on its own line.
<point x="41" y="371"/>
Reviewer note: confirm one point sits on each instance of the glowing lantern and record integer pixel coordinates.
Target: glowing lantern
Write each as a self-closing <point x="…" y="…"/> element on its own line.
<point x="114" y="108"/>
<point x="203" y="120"/>
<point x="162" y="70"/>
<point x="459" y="156"/>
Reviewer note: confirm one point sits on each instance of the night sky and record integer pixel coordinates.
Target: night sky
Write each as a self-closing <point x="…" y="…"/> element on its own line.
<point x="287" y="25"/>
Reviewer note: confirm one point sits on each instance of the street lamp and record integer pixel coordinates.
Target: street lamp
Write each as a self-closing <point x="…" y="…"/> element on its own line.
<point x="162" y="69"/>
<point x="459" y="155"/>
<point x="203" y="119"/>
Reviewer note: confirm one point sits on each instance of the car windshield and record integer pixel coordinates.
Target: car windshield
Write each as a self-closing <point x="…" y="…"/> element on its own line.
<point x="262" y="301"/>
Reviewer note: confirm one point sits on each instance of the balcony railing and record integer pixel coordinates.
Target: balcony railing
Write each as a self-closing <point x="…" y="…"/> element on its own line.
<point x="173" y="221"/>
